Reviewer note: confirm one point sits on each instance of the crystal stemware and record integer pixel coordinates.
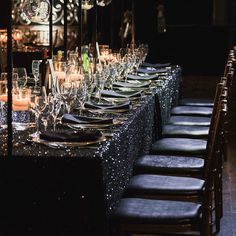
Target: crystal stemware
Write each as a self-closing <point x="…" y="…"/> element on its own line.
<point x="35" y="72"/>
<point x="22" y="76"/>
<point x="82" y="92"/>
<point x="38" y="104"/>
<point x="54" y="105"/>
<point x="68" y="94"/>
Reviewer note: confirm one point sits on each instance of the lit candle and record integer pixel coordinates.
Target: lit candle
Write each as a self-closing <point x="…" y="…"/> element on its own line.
<point x="3" y="98"/>
<point x="20" y="104"/>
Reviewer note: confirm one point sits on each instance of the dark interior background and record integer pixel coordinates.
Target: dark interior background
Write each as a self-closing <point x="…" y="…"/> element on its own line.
<point x="198" y="37"/>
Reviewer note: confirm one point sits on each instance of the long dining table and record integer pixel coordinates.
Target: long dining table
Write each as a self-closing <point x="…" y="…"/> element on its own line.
<point x="72" y="191"/>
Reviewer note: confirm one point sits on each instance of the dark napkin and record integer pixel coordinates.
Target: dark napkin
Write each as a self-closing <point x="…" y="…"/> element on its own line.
<point x="71" y="136"/>
<point x="131" y="85"/>
<point x="107" y="106"/>
<point x="142" y="77"/>
<point x="151" y="71"/>
<point x="156" y="65"/>
<point x="121" y="94"/>
<point x="74" y="119"/>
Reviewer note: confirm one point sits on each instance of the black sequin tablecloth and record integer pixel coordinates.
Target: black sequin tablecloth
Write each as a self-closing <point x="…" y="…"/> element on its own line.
<point x="72" y="191"/>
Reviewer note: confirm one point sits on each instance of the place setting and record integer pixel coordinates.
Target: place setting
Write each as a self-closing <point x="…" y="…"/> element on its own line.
<point x="108" y="107"/>
<point x="81" y="138"/>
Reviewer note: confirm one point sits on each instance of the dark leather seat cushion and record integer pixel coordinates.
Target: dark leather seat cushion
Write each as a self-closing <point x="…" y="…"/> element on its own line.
<point x="147" y="211"/>
<point x="157" y="185"/>
<point x="156" y="164"/>
<point x="196" y="102"/>
<point x="192" y="110"/>
<point x="179" y="146"/>
<point x="190" y="120"/>
<point x="185" y="131"/>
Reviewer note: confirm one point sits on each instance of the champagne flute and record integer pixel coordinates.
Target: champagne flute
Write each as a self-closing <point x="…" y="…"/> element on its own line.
<point x="35" y="71"/>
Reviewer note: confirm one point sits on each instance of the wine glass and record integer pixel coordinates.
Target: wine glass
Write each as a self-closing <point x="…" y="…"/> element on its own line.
<point x="100" y="83"/>
<point x="54" y="104"/>
<point x="22" y="76"/>
<point x="45" y="114"/>
<point x="3" y="76"/>
<point x="35" y="71"/>
<point x="38" y="104"/>
<point x="82" y="93"/>
<point x="68" y="93"/>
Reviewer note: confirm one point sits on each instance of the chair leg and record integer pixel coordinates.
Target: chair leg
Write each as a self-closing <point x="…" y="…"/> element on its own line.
<point x="217" y="205"/>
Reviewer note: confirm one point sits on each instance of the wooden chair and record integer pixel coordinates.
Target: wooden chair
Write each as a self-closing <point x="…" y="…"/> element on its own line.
<point x="185" y="146"/>
<point x="208" y="102"/>
<point x="168" y="217"/>
<point x="191" y="131"/>
<point x="187" y="120"/>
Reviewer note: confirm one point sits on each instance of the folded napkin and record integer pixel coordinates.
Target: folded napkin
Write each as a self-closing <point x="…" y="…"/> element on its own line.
<point x="142" y="77"/>
<point x="151" y="70"/>
<point x="71" y="136"/>
<point x="74" y="119"/>
<point x="107" y="106"/>
<point x="121" y="94"/>
<point x="156" y="65"/>
<point x="131" y="85"/>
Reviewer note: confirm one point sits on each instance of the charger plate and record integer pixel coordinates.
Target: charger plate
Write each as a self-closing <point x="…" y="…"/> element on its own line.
<point x="69" y="144"/>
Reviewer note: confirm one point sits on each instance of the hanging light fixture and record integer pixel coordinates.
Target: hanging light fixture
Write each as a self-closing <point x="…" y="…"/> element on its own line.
<point x="87" y="4"/>
<point x="37" y="11"/>
<point x="103" y="3"/>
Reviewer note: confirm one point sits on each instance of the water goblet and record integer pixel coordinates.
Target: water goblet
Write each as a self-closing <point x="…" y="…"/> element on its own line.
<point x="82" y="93"/>
<point x="38" y="104"/>
<point x="100" y="83"/>
<point x="22" y="76"/>
<point x="68" y="93"/>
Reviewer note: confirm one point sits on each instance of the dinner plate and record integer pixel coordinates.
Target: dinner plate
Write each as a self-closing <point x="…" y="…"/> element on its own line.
<point x="107" y="111"/>
<point x="69" y="144"/>
<point x="130" y="89"/>
<point x="109" y="99"/>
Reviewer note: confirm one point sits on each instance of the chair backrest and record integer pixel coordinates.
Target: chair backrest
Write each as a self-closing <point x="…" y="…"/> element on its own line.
<point x="221" y="94"/>
<point x="227" y="68"/>
<point x="214" y="142"/>
<point x="213" y="158"/>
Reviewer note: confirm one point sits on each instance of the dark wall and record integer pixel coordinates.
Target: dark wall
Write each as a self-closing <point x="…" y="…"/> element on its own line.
<point x="182" y="12"/>
<point x="191" y="39"/>
<point x="3" y="14"/>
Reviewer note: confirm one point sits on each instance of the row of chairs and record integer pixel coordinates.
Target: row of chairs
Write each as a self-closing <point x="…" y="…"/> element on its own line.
<point x="176" y="189"/>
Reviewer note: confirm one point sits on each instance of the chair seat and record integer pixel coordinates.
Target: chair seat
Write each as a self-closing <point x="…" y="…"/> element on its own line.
<point x="157" y="185"/>
<point x="190" y="120"/>
<point x="147" y="211"/>
<point x="196" y="102"/>
<point x="179" y="146"/>
<point x="185" y="131"/>
<point x="158" y="164"/>
<point x="192" y="110"/>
